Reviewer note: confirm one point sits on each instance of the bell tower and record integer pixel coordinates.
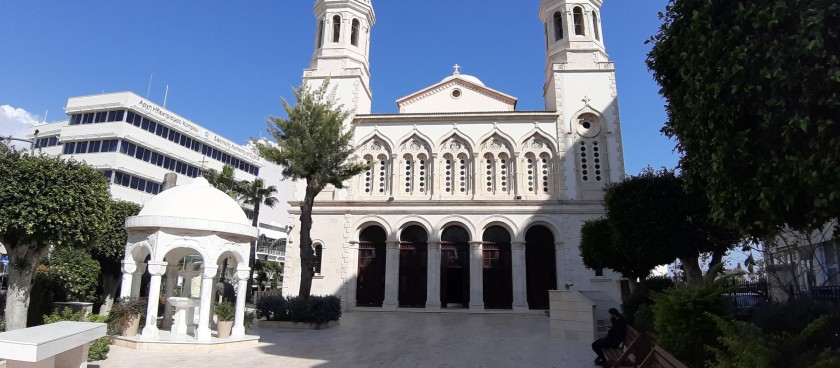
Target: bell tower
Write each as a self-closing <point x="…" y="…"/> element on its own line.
<point x="342" y="51"/>
<point x="580" y="85"/>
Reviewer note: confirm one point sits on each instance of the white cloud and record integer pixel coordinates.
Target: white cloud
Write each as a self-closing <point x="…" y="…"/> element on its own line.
<point x="16" y="122"/>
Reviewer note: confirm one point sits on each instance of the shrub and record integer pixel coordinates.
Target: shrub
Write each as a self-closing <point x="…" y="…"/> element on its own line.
<point x="123" y="309"/>
<point x="683" y="323"/>
<point x="76" y="273"/>
<point x="98" y="348"/>
<point x="315" y="309"/>
<point x="2" y="324"/>
<point x="746" y="345"/>
<point x="791" y="316"/>
<point x="224" y="311"/>
<point x="45" y="291"/>
<point x="272" y="308"/>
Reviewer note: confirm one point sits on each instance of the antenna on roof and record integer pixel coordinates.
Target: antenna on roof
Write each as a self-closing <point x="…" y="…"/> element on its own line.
<point x="165" y="95"/>
<point x="149" y="90"/>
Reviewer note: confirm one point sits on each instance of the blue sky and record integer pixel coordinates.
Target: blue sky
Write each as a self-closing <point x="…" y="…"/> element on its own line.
<point x="228" y="63"/>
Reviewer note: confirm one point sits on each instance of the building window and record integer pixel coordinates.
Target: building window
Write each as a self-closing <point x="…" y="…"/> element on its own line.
<point x="558" y="26"/>
<point x="321" y="34"/>
<point x="545" y="172"/>
<point x="831" y="266"/>
<point x="354" y="33"/>
<point x="319" y="256"/>
<point x="595" y="26"/>
<point x="336" y="28"/>
<point x="382" y="169"/>
<point x="599" y="272"/>
<point x="447" y="178"/>
<point x="579" y="26"/>
<point x="489" y="173"/>
<point x="409" y="169"/>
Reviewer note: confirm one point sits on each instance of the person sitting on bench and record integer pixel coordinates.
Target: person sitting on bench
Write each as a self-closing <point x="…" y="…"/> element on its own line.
<point x="614" y="338"/>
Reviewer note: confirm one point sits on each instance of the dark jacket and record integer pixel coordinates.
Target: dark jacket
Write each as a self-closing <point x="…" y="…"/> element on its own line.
<point x="616" y="333"/>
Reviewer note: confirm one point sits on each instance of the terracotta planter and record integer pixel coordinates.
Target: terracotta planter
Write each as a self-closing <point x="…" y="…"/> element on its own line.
<point x="131" y="326"/>
<point x="224" y="328"/>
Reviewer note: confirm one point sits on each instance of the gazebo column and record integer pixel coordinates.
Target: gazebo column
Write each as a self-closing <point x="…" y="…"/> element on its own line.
<point x="392" y="275"/>
<point x="171" y="280"/>
<point x="156" y="270"/>
<point x="476" y="276"/>
<point x="433" y="277"/>
<point x="137" y="280"/>
<point x="128" y="270"/>
<point x="520" y="299"/>
<point x="241" y="292"/>
<point x="208" y="274"/>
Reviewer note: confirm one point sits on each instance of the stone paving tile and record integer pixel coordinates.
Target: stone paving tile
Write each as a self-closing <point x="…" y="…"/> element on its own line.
<point x="380" y="339"/>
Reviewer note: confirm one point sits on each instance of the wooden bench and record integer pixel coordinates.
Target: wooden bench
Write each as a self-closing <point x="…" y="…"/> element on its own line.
<point x="630" y="351"/>
<point x="659" y="358"/>
<point x="60" y="344"/>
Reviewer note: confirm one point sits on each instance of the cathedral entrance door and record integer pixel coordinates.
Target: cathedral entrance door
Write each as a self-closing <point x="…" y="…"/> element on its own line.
<point x="498" y="275"/>
<point x="540" y="266"/>
<point x="370" y="280"/>
<point x="455" y="268"/>
<point x="413" y="259"/>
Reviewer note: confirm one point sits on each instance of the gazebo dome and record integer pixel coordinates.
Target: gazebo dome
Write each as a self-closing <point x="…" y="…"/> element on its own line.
<point x="196" y="200"/>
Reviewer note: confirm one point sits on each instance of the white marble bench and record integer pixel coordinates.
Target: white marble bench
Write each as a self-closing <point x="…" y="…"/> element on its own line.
<point x="61" y="345"/>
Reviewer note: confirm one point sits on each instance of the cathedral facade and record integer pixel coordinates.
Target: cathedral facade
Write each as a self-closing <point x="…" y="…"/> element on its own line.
<point x="468" y="203"/>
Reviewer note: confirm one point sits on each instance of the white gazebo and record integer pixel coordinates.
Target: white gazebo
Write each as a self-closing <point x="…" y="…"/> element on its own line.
<point x="172" y="231"/>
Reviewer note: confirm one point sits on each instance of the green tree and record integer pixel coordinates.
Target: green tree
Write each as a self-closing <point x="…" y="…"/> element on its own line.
<point x="653" y="220"/>
<point x="45" y="201"/>
<point x="224" y="180"/>
<point x="256" y="194"/>
<point x="753" y="98"/>
<point x="109" y="251"/>
<point x="314" y="145"/>
<point x="599" y="250"/>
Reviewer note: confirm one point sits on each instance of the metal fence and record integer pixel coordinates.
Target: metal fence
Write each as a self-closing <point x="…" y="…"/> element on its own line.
<point x="824" y="294"/>
<point x="748" y="294"/>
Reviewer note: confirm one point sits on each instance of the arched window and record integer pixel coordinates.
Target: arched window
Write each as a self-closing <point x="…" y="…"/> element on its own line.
<point x="382" y="170"/>
<point x="502" y="173"/>
<point x="354" y="33"/>
<point x="579" y="26"/>
<point x="558" y="26"/>
<point x="409" y="171"/>
<point x="448" y="161"/>
<point x="595" y="26"/>
<point x="545" y="172"/>
<point x="321" y="34"/>
<point x="489" y="165"/>
<point x="319" y="256"/>
<point x="463" y="164"/>
<point x="336" y="28"/>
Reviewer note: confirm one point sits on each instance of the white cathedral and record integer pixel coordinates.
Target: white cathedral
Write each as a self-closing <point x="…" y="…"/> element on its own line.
<point x="468" y="202"/>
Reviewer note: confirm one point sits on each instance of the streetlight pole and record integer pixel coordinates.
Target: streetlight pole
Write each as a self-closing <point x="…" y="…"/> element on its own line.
<point x="9" y="139"/>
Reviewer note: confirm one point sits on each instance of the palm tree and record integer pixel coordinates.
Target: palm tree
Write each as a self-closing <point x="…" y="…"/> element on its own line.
<point x="256" y="194"/>
<point x="224" y="181"/>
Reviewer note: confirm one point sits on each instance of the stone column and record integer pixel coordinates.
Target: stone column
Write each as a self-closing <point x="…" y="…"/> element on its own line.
<point x="208" y="274"/>
<point x="128" y="269"/>
<point x="433" y="277"/>
<point x="559" y="256"/>
<point x="156" y="270"/>
<point x="137" y="279"/>
<point x="476" y="276"/>
<point x="520" y="297"/>
<point x="241" y="292"/>
<point x="354" y="274"/>
<point x="171" y="280"/>
<point x="392" y="275"/>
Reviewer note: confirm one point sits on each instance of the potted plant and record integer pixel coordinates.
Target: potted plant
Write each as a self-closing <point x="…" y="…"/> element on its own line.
<point x="126" y="314"/>
<point x="224" y="316"/>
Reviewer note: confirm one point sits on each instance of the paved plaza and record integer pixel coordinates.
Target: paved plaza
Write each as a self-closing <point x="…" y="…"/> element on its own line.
<point x="380" y="339"/>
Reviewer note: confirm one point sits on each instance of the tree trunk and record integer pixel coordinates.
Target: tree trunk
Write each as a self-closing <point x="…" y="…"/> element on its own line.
<point x="693" y="272"/>
<point x="717" y="257"/>
<point x="21" y="272"/>
<point x="307" y="254"/>
<point x="110" y="283"/>
<point x="254" y="223"/>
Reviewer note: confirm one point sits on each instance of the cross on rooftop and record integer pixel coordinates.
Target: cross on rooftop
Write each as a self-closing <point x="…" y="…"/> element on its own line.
<point x="457" y="69"/>
<point x="586" y="99"/>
